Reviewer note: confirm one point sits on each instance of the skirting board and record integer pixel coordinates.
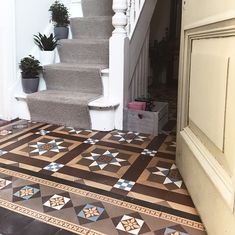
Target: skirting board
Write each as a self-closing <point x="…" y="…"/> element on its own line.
<point x="212" y="168"/>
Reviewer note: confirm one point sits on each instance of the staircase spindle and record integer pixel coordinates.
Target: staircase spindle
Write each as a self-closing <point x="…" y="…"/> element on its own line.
<point x="119" y="20"/>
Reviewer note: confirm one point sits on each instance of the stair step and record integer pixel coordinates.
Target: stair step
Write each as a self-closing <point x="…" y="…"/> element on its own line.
<point x="84" y="51"/>
<point x="92" y="27"/>
<point x="61" y="107"/>
<point x="74" y="77"/>
<point x="97" y="7"/>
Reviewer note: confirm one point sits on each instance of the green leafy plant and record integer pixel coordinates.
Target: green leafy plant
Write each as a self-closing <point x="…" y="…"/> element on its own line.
<point x="30" y="67"/>
<point x="45" y="43"/>
<point x="59" y="14"/>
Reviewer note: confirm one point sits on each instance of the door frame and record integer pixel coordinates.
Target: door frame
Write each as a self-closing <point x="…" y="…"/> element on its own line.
<point x="210" y="28"/>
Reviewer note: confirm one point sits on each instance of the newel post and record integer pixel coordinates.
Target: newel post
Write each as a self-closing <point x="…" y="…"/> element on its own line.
<point x="119" y="59"/>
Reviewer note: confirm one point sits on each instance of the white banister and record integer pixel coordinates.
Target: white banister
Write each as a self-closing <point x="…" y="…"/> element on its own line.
<point x="128" y="60"/>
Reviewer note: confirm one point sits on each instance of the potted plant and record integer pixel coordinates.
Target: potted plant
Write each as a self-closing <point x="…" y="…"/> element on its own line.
<point x="60" y="18"/>
<point x="47" y="46"/>
<point x="30" y="71"/>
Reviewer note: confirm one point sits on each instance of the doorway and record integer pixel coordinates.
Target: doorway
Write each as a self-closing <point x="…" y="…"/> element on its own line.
<point x="165" y="33"/>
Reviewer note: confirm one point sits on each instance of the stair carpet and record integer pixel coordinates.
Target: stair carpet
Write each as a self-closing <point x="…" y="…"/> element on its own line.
<point x="74" y="82"/>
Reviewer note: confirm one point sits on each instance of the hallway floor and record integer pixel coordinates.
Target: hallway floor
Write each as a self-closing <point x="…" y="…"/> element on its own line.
<point x="89" y="182"/>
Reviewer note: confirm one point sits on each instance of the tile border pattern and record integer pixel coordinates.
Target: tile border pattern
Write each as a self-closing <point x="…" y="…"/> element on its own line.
<point x="81" y="192"/>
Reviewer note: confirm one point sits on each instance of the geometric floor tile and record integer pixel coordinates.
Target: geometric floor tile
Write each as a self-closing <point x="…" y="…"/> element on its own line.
<point x="129" y="137"/>
<point x="91" y="141"/>
<point x="174" y="230"/>
<point x="72" y="130"/>
<point x="130" y="224"/>
<point x="41" y="148"/>
<point x="26" y="192"/>
<point x="43" y="132"/>
<point x="53" y="167"/>
<point x="149" y="152"/>
<point x="91" y="213"/>
<point x="101" y="159"/>
<point x="167" y="174"/>
<point x="56" y="202"/>
<point x="4" y="183"/>
<point x="124" y="185"/>
<point x="5" y="132"/>
<point x="2" y="152"/>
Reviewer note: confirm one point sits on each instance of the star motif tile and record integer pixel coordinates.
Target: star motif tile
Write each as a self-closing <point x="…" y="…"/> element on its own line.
<point x="100" y="159"/>
<point x="4" y="183"/>
<point x="129" y="137"/>
<point x="124" y="185"/>
<point x="149" y="152"/>
<point x="26" y="192"/>
<point x="91" y="141"/>
<point x="174" y="230"/>
<point x="130" y="224"/>
<point x="53" y="167"/>
<point x="5" y="132"/>
<point x="91" y="213"/>
<point x="46" y="146"/>
<point x="166" y="174"/>
<point x="43" y="132"/>
<point x="72" y="130"/>
<point x="2" y="152"/>
<point x="57" y="202"/>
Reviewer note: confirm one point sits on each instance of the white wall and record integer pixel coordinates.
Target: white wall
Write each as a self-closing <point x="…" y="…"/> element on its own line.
<point x="32" y="16"/>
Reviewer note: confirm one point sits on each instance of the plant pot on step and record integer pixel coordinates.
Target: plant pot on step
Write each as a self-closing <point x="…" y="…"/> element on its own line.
<point x="47" y="45"/>
<point x="60" y="19"/>
<point x="61" y="32"/>
<point x="30" y="85"/>
<point x="47" y="57"/>
<point x="30" y="71"/>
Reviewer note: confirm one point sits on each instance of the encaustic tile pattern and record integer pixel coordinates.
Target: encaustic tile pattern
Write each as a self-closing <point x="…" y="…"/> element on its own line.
<point x="95" y="182"/>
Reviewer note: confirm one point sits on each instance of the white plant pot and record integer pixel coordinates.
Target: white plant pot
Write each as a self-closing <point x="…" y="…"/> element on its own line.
<point x="47" y="57"/>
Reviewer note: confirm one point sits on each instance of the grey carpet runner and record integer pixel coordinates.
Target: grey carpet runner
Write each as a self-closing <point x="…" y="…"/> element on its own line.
<point x="75" y="81"/>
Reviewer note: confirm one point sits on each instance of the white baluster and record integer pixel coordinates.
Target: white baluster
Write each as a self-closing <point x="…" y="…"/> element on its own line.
<point x="128" y="14"/>
<point x="132" y="13"/>
<point x="119" y="19"/>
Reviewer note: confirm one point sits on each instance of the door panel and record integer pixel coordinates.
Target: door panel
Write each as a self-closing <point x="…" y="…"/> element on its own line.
<point x="208" y="83"/>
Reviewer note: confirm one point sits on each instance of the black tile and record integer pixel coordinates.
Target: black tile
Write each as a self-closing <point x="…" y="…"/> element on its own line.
<point x="13" y="222"/>
<point x="38" y="228"/>
<point x="64" y="232"/>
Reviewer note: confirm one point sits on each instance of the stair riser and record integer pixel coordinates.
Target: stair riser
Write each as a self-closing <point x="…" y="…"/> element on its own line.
<point x="84" y="53"/>
<point x="57" y="112"/>
<point x="97" y="7"/>
<point x="91" y="29"/>
<point x="81" y="81"/>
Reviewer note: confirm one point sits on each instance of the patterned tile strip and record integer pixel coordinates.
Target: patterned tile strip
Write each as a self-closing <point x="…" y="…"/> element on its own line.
<point x="127" y="205"/>
<point x="47" y="218"/>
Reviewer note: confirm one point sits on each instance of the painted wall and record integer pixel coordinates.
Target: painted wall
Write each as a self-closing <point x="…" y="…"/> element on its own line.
<point x="32" y="16"/>
<point x="206" y="115"/>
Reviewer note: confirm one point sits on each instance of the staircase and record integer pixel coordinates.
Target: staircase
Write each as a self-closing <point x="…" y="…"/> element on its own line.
<point x="76" y="81"/>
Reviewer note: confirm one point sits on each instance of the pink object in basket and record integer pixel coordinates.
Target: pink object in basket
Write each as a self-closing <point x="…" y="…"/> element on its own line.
<point x="137" y="105"/>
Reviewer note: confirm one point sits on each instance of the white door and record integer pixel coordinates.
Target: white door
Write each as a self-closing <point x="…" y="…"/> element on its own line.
<point x="206" y="110"/>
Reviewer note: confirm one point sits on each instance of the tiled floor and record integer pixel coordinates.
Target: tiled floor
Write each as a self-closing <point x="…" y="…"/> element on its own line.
<point x="95" y="182"/>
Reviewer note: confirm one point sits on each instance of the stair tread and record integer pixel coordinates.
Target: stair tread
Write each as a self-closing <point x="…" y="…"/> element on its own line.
<point x="85" y="41"/>
<point x="76" y="67"/>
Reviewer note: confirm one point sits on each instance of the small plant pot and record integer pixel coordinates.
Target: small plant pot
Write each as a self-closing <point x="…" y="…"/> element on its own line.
<point x="61" y="32"/>
<point x="30" y="85"/>
<point x="47" y="57"/>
